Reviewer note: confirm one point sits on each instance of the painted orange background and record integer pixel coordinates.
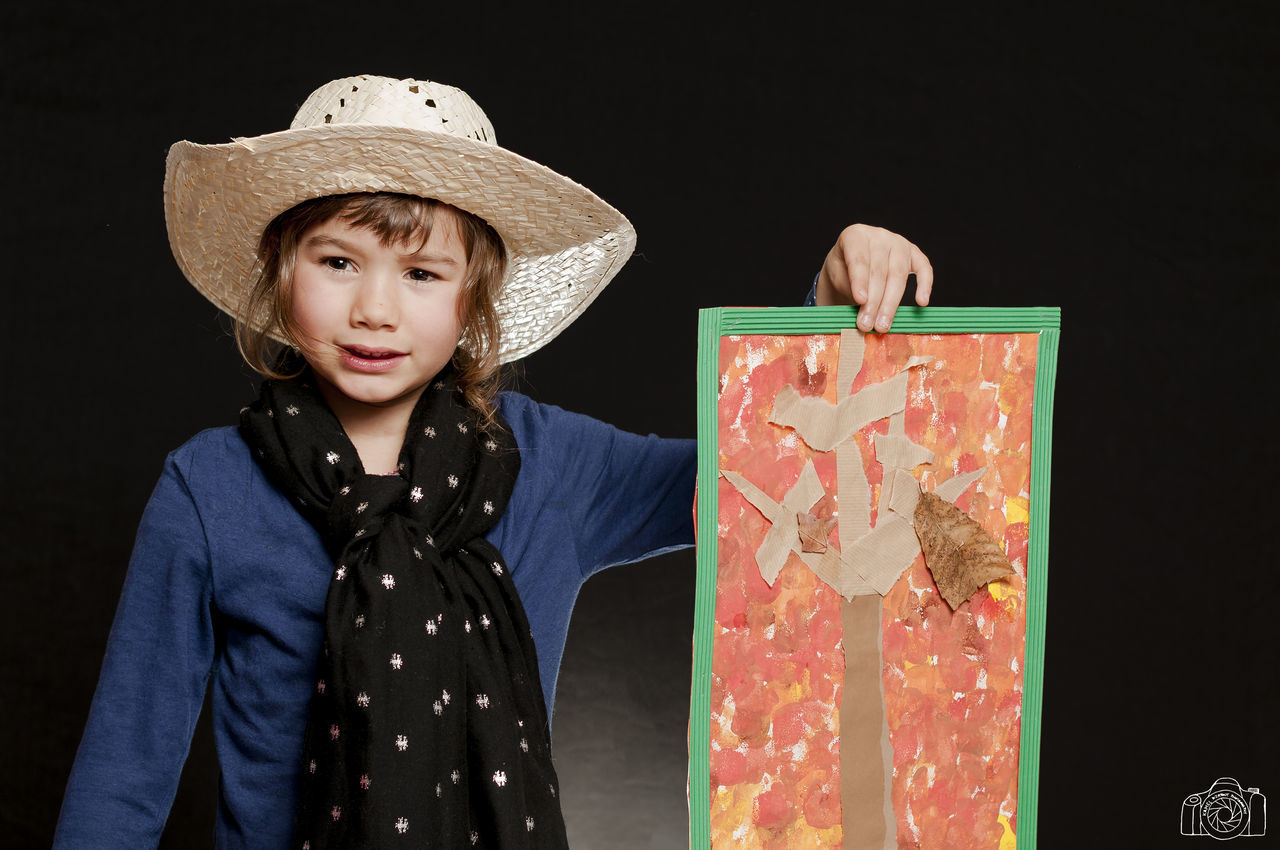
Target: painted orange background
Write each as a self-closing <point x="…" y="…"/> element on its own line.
<point x="952" y="680"/>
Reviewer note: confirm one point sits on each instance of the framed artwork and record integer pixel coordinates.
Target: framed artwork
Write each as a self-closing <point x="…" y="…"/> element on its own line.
<point x="873" y="527"/>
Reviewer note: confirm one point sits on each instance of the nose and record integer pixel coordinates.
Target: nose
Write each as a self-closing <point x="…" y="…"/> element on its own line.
<point x="375" y="304"/>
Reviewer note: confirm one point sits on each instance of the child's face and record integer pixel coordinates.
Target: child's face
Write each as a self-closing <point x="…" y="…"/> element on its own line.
<point x="379" y="322"/>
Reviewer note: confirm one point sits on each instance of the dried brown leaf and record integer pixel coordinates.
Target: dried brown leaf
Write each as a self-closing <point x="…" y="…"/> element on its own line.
<point x="813" y="532"/>
<point x="959" y="553"/>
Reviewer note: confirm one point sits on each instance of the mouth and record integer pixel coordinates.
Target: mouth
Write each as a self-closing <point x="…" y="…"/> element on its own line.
<point x="364" y="353"/>
<point x="365" y="359"/>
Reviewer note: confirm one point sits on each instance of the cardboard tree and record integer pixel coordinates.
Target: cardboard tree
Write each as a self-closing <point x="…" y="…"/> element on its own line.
<point x="869" y="559"/>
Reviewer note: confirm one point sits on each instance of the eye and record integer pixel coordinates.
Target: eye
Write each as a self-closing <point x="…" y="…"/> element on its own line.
<point x="422" y="275"/>
<point x="338" y="264"/>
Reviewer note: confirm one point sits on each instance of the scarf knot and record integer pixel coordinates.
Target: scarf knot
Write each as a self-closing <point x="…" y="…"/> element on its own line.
<point x="359" y="510"/>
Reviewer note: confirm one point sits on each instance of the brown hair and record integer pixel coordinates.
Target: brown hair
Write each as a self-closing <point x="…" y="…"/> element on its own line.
<point x="396" y="220"/>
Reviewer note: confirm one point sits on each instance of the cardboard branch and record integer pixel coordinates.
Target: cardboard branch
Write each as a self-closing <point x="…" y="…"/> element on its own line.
<point x="822" y="426"/>
<point x="898" y="452"/>
<point x="906" y="492"/>
<point x="783" y="535"/>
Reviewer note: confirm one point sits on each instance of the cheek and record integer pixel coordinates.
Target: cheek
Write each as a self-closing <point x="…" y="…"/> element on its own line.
<point x="440" y="322"/>
<point x="455" y="316"/>
<point x="310" y="311"/>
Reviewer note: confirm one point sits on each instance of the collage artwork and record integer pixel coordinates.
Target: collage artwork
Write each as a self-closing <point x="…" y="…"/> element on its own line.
<point x="868" y="617"/>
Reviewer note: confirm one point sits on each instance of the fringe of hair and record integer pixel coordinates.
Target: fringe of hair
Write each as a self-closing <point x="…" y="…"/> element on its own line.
<point x="396" y="220"/>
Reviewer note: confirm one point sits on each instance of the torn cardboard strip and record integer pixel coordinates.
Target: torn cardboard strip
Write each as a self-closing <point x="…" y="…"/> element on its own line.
<point x="823" y="426"/>
<point x="954" y="487"/>
<point x="853" y="494"/>
<point x="866" y="755"/>
<point x="899" y="452"/>
<point x="836" y="573"/>
<point x="852" y="345"/>
<point x="906" y="492"/>
<point x="898" y="424"/>
<point x="784" y="531"/>
<point x="884" y="553"/>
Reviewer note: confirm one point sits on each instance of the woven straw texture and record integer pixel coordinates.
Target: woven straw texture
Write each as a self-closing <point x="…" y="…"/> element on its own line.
<point x="374" y="134"/>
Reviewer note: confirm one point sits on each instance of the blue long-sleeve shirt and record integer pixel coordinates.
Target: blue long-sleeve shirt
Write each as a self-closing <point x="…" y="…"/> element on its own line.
<point x="226" y="589"/>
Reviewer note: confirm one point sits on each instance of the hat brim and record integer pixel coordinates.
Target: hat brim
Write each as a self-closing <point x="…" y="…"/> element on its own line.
<point x="564" y="243"/>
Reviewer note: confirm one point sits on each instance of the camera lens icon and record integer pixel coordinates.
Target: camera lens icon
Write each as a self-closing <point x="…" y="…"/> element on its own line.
<point x="1225" y="811"/>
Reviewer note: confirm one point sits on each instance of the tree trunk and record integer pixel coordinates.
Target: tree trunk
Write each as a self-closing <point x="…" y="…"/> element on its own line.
<point x="866" y="758"/>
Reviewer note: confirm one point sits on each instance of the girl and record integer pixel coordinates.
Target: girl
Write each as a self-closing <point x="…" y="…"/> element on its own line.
<point x="375" y="571"/>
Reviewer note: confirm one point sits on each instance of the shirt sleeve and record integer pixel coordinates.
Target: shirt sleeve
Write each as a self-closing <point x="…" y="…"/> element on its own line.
<point x="606" y="496"/>
<point x="635" y="498"/>
<point x="158" y="659"/>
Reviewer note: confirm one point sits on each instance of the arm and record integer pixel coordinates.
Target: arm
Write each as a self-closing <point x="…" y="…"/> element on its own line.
<point x="869" y="266"/>
<point x="595" y="495"/>
<point x="639" y="499"/>
<point x="152" y="683"/>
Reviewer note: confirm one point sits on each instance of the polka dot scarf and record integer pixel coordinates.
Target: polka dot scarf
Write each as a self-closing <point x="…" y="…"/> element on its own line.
<point x="427" y="727"/>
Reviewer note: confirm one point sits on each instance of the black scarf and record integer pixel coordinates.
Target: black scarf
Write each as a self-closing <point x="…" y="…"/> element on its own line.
<point x="428" y="726"/>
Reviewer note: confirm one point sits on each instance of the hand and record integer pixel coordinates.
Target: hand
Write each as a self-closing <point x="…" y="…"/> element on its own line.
<point x="869" y="267"/>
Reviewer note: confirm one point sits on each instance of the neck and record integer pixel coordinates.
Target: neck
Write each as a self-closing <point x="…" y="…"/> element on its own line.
<point x="376" y="431"/>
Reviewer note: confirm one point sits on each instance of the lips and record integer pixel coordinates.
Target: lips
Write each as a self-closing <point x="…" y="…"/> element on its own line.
<point x="365" y="359"/>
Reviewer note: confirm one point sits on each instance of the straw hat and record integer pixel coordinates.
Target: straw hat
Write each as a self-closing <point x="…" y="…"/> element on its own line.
<point x="376" y="134"/>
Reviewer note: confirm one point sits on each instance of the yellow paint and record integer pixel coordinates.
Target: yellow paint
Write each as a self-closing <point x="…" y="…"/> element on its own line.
<point x="1008" y="841"/>
<point x="1016" y="509"/>
<point x="1001" y="590"/>
<point x="1009" y="394"/>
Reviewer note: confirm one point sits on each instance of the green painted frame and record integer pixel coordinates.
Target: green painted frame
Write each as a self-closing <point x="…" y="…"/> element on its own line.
<point x="725" y="321"/>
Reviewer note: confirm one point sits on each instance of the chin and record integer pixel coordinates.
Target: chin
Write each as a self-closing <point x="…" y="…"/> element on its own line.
<point x="384" y="399"/>
<point x="373" y="393"/>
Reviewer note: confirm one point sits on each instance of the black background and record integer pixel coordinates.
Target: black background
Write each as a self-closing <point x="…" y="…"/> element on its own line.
<point x="1119" y="162"/>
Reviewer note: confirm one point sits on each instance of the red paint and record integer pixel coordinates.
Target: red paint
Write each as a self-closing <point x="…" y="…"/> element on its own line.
<point x="728" y="767"/>
<point x="772" y="808"/>
<point x="788" y="725"/>
<point x="822" y="802"/>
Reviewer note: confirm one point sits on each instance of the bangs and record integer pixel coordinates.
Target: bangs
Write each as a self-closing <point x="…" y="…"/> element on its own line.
<point x="397" y="219"/>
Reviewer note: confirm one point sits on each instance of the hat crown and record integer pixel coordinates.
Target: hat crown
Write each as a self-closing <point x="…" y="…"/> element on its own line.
<point x="384" y="101"/>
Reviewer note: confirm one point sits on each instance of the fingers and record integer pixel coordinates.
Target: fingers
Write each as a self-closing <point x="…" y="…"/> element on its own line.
<point x="879" y="271"/>
<point x="893" y="261"/>
<point x="859" y="275"/>
<point x="852" y="246"/>
<point x="924" y="276"/>
<point x="833" y="280"/>
<point x="894" y="285"/>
